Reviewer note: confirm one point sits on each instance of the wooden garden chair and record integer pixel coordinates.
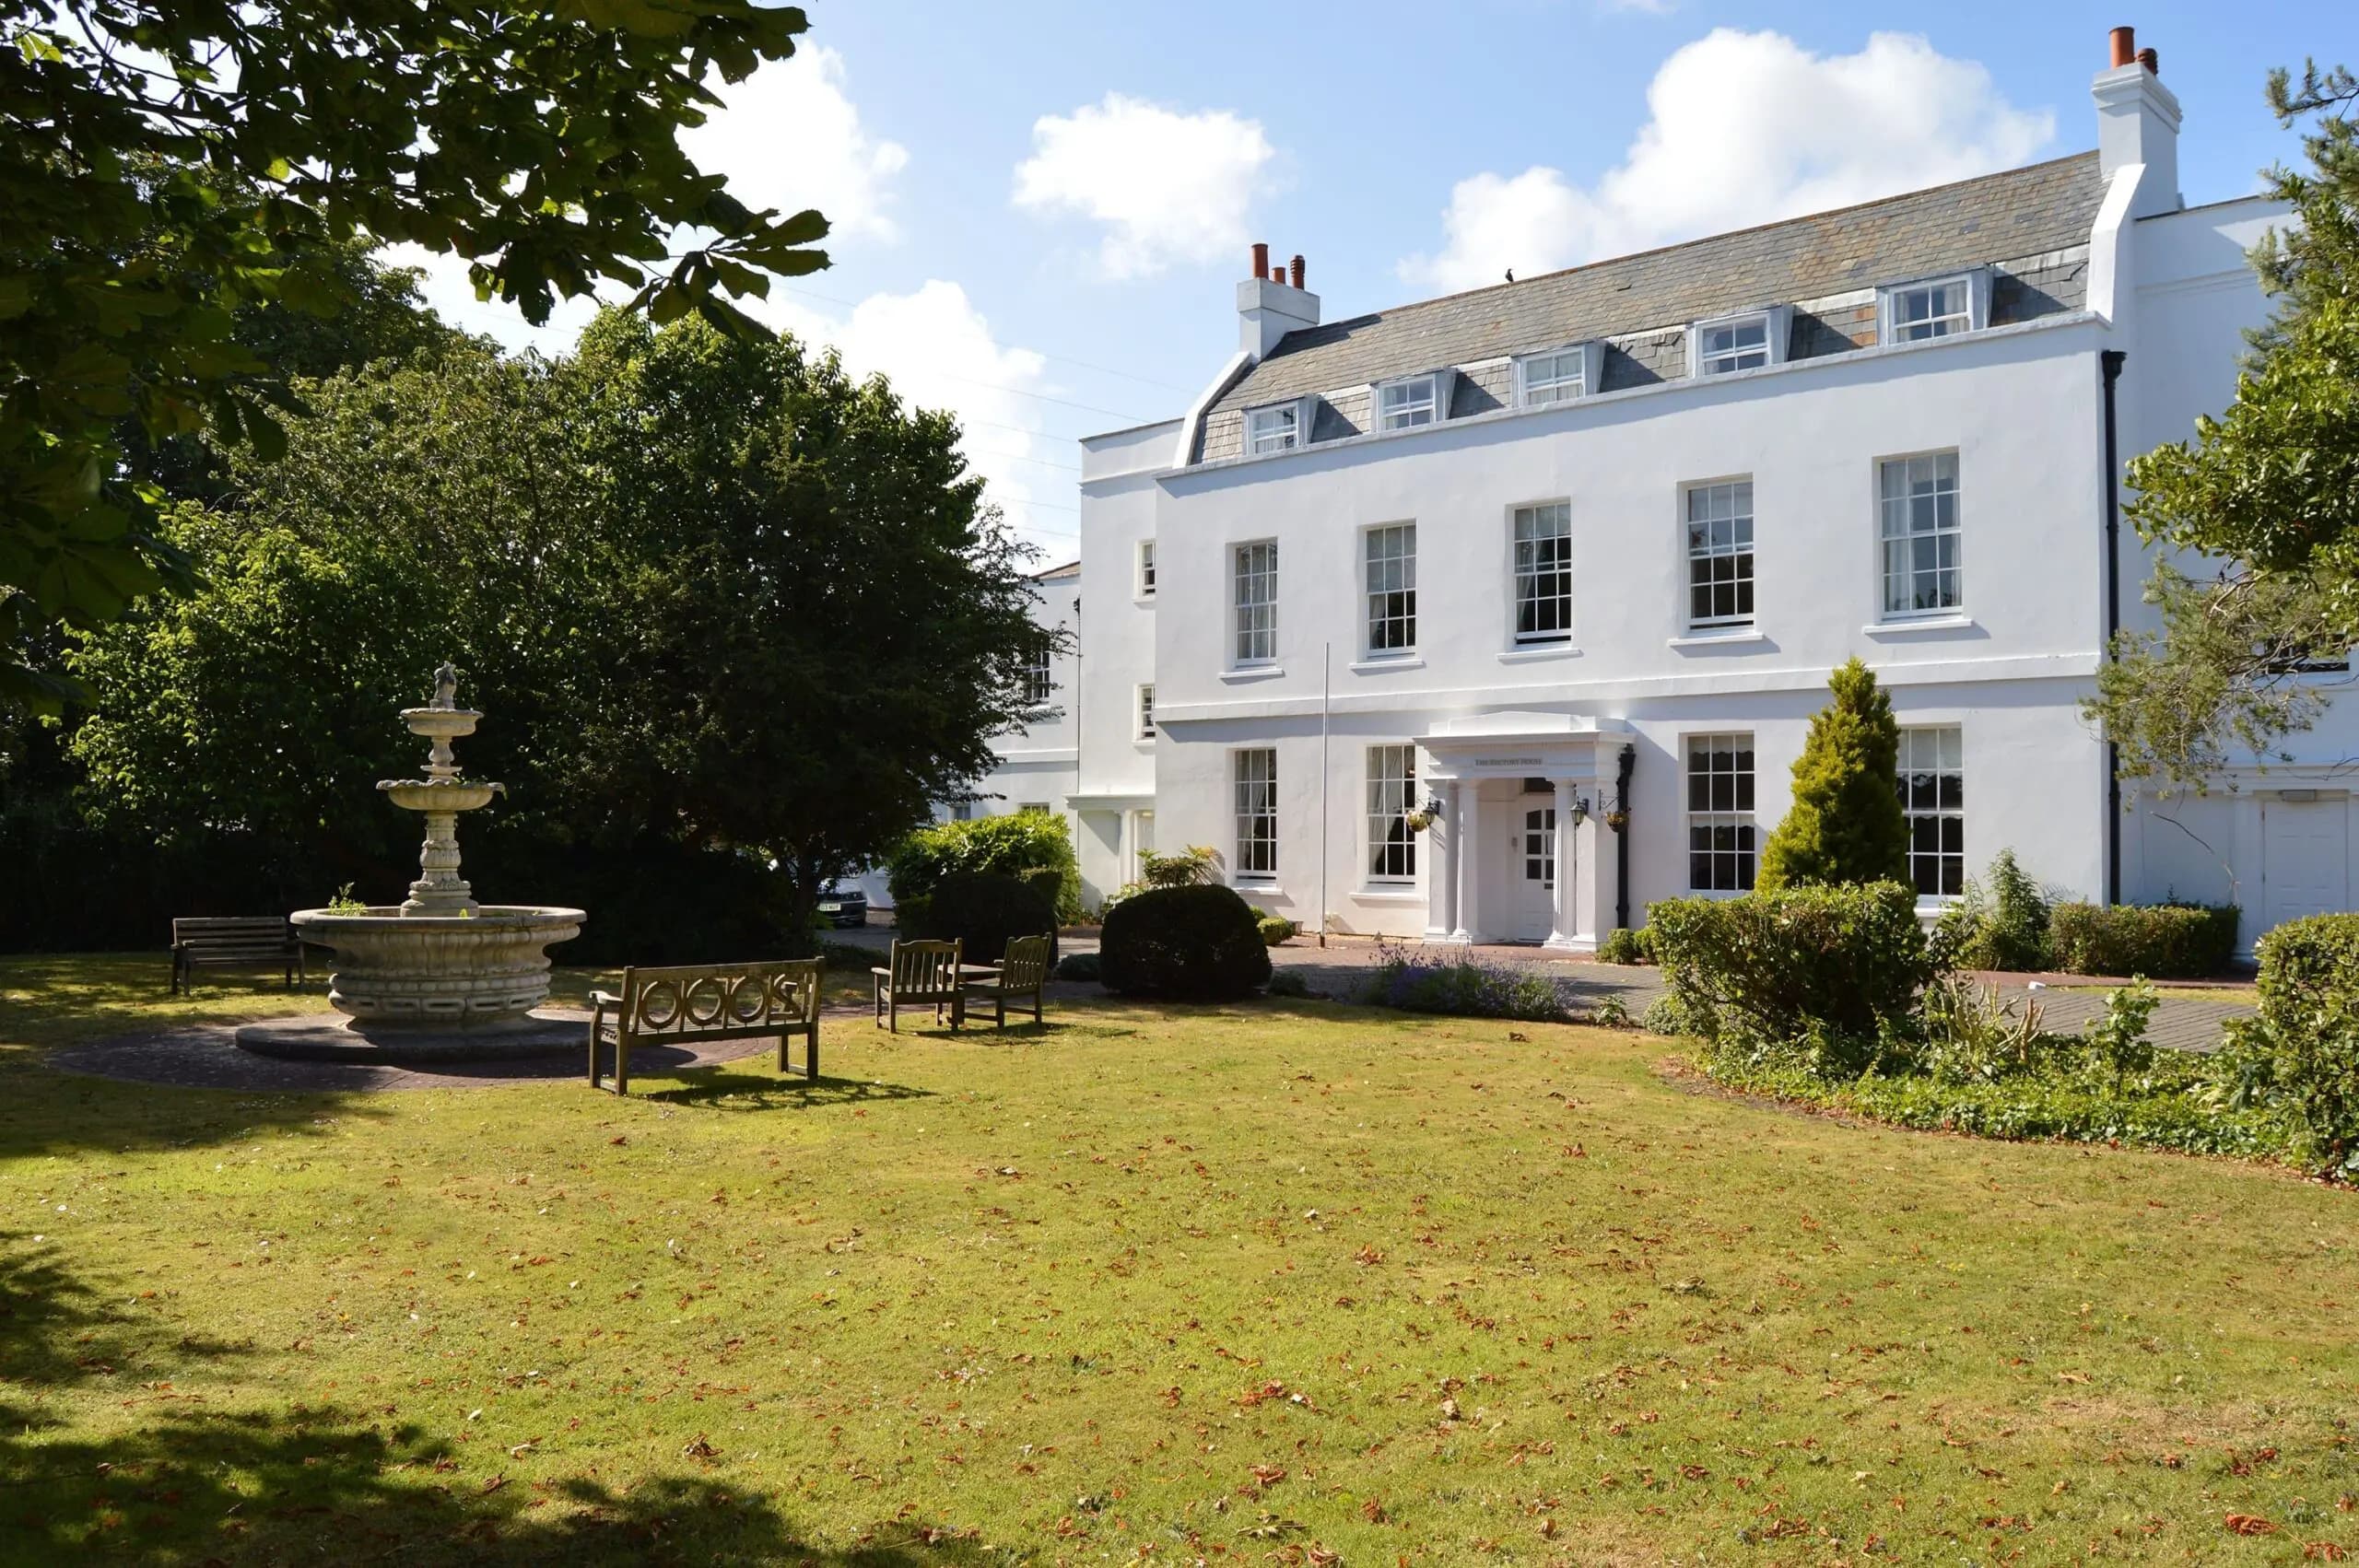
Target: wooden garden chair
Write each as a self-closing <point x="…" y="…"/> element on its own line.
<point x="922" y="974"/>
<point x="1021" y="974"/>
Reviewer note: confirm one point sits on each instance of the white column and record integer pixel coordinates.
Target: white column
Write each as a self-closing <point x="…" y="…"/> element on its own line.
<point x="1441" y="859"/>
<point x="1564" y="916"/>
<point x="1468" y="852"/>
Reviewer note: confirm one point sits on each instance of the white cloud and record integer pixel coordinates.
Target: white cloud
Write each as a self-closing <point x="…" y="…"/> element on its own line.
<point x="1744" y="128"/>
<point x="939" y="351"/>
<point x="1168" y="187"/>
<point x="790" y="139"/>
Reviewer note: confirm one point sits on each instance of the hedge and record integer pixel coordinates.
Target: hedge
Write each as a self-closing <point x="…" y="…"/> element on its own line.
<point x="2309" y="1032"/>
<point x="2162" y="942"/>
<point x="1201" y="943"/>
<point x="985" y="911"/>
<point x="1836" y="965"/>
<point x="1018" y="845"/>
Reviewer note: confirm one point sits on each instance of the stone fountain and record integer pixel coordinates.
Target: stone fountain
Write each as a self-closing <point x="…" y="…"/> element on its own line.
<point x="438" y="976"/>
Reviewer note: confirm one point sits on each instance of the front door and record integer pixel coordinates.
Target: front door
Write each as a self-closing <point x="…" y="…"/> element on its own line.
<point x="1535" y="873"/>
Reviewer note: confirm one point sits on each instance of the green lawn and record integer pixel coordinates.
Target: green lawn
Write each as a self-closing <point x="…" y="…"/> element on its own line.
<point x="1265" y="1284"/>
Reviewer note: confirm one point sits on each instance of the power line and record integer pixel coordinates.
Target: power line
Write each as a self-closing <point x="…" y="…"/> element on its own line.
<point x="1019" y="457"/>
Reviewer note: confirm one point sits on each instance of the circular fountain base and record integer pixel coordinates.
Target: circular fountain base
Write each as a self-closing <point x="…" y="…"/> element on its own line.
<point x="354" y="1040"/>
<point x="430" y="987"/>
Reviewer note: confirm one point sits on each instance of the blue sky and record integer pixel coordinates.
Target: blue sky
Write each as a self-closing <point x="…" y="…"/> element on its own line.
<point x="1042" y="208"/>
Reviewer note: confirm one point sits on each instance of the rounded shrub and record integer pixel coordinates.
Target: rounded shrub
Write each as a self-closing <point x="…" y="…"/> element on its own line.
<point x="1082" y="967"/>
<point x="1200" y="944"/>
<point x="1622" y="945"/>
<point x="1276" y="930"/>
<point x="985" y="910"/>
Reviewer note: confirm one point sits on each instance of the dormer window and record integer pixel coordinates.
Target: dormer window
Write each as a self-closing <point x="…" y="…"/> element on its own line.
<point x="1403" y="405"/>
<point x="1737" y="342"/>
<point x="1273" y="429"/>
<point x="1937" y="307"/>
<point x="1558" y="376"/>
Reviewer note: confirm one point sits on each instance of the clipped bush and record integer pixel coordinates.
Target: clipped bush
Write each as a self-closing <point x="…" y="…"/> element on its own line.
<point x="1835" y="967"/>
<point x="2164" y="942"/>
<point x="1622" y="945"/>
<point x="1288" y="983"/>
<point x="985" y="910"/>
<point x="2308" y="1029"/>
<point x="1669" y="1015"/>
<point x="1277" y="931"/>
<point x="1004" y="846"/>
<point x="1082" y="967"/>
<point x="1197" y="943"/>
<point x="1846" y="825"/>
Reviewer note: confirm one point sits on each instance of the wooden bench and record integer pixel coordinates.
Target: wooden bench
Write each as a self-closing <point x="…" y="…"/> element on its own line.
<point x="1022" y="973"/>
<point x="693" y="1004"/>
<point x="235" y="941"/>
<point x="923" y="974"/>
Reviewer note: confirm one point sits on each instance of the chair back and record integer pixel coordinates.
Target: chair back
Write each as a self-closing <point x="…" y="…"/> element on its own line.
<point x="1026" y="967"/>
<point x="925" y="969"/>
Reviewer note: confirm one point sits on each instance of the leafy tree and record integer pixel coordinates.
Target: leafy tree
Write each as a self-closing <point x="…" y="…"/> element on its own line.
<point x="166" y="166"/>
<point x="809" y="627"/>
<point x="1846" y="825"/>
<point x="714" y="595"/>
<point x="2266" y="494"/>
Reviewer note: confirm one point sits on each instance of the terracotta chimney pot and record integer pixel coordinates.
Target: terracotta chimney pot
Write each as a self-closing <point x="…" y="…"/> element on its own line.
<point x="1297" y="272"/>
<point x="1260" y="258"/>
<point x="2152" y="60"/>
<point x="2125" y="45"/>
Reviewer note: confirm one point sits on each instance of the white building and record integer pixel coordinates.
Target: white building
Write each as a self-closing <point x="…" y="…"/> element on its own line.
<point x="1566" y="561"/>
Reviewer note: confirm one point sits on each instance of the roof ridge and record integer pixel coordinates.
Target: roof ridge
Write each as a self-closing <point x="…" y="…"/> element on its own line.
<point x="1395" y="310"/>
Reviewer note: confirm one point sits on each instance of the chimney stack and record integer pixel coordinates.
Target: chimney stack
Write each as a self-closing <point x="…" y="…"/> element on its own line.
<point x="1268" y="307"/>
<point x="2138" y="122"/>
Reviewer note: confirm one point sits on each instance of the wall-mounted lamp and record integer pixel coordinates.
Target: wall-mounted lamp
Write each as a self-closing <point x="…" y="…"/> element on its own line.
<point x="1580" y="810"/>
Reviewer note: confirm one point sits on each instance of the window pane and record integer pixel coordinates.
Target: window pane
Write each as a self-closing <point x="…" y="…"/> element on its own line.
<point x="1932" y="796"/>
<point x="1392" y="795"/>
<point x="1719" y="553"/>
<point x="1543" y="580"/>
<point x="1256" y="787"/>
<point x="1720" y="821"/>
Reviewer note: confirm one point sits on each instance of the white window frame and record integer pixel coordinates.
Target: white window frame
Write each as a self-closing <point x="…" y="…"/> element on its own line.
<point x="1432" y="404"/>
<point x="1904" y="507"/>
<point x="1143" y="583"/>
<point x="1143" y="711"/>
<point x="1389" y="854"/>
<point x="1389" y="589"/>
<point x="1929" y="755"/>
<point x="1253" y="803"/>
<point x="1039" y="681"/>
<point x="1546" y="393"/>
<point x="1287" y="426"/>
<point x="1741" y="814"/>
<point x="1520" y="570"/>
<point x="1777" y="324"/>
<point x="1974" y="284"/>
<point x="1742" y="496"/>
<point x="1257" y="616"/>
<point x="1033" y="808"/>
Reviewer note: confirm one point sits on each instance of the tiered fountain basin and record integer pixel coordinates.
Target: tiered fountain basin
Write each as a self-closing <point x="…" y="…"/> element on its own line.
<point x="431" y="988"/>
<point x="437" y="977"/>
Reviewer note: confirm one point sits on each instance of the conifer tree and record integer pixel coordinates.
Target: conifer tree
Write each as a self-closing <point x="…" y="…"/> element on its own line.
<point x="1846" y="824"/>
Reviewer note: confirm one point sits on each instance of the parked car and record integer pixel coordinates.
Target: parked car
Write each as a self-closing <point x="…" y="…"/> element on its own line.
<point x="841" y="906"/>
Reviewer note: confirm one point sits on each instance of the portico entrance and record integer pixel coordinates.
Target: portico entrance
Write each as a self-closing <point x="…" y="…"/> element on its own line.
<point x="1518" y="851"/>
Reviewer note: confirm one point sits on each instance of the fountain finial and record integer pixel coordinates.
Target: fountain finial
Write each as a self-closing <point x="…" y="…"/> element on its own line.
<point x="446" y="686"/>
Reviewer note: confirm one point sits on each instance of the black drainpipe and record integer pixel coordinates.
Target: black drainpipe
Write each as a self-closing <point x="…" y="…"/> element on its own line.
<point x="2109" y="362"/>
<point x="1622" y="850"/>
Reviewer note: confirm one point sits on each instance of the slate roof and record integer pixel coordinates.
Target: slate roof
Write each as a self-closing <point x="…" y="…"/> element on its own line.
<point x="2019" y="213"/>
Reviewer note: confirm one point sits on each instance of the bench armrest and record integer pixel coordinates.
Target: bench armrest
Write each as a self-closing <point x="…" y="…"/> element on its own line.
<point x="605" y="998"/>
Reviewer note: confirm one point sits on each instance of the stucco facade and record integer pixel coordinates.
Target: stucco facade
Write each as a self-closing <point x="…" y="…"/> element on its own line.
<point x="1351" y="706"/>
